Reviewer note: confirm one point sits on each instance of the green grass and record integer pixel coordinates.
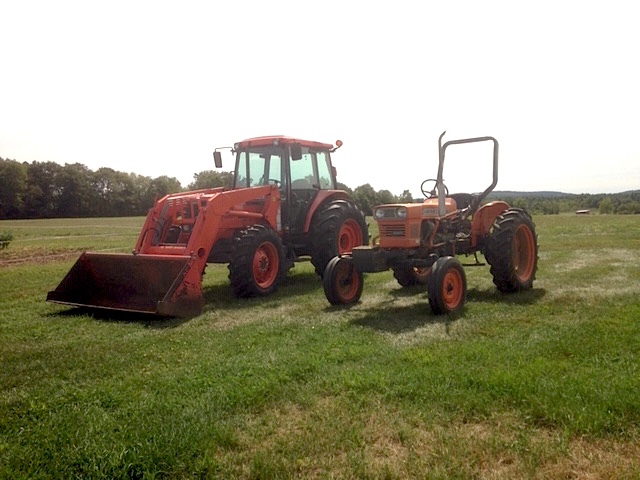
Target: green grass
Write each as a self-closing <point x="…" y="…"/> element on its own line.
<point x="39" y="240"/>
<point x="541" y="384"/>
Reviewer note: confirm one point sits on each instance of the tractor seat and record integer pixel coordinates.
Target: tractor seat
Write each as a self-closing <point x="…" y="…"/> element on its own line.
<point x="463" y="200"/>
<point x="301" y="184"/>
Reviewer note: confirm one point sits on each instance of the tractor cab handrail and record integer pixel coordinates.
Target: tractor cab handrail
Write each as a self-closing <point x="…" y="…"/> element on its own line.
<point x="441" y="152"/>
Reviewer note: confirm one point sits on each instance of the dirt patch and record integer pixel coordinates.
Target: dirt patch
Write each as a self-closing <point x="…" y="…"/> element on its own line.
<point x="42" y="255"/>
<point x="389" y="444"/>
<point x="38" y="256"/>
<point x="614" y="257"/>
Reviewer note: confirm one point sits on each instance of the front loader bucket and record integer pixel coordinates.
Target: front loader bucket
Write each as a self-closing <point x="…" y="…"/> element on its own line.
<point x="136" y="283"/>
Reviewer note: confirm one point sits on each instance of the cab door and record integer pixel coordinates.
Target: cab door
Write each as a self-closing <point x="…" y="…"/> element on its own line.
<point x="304" y="186"/>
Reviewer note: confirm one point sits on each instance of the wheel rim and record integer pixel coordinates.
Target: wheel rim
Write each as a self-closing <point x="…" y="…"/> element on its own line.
<point x="265" y="264"/>
<point x="523" y="252"/>
<point x="349" y="236"/>
<point x="452" y="289"/>
<point x="346" y="281"/>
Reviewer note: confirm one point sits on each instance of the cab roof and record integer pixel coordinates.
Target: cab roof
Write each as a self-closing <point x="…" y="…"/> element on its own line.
<point x="282" y="140"/>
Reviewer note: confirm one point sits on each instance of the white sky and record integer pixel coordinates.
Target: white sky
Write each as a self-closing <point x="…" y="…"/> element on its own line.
<point x="154" y="87"/>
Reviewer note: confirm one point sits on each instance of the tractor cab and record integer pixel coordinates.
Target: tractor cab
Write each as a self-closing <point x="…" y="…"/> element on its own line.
<point x="301" y="169"/>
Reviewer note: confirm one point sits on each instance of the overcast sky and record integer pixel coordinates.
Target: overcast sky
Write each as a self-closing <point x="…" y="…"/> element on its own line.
<point x="154" y="87"/>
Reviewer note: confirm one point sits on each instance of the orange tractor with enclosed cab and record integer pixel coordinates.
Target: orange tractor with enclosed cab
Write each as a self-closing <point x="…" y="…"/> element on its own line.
<point x="420" y="242"/>
<point x="284" y="204"/>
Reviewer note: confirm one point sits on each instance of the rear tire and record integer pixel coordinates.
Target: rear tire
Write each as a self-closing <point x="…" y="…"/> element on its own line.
<point x="410" y="276"/>
<point x="342" y="283"/>
<point x="336" y="230"/>
<point x="512" y="251"/>
<point x="447" y="286"/>
<point x="256" y="265"/>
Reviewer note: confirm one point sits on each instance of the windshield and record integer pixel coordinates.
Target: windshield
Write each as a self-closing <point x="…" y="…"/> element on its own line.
<point x="260" y="166"/>
<point x="265" y="165"/>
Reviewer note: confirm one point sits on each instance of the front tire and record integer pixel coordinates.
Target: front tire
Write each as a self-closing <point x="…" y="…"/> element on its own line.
<point x="447" y="286"/>
<point x="342" y="283"/>
<point x="257" y="262"/>
<point x="336" y="230"/>
<point x="512" y="251"/>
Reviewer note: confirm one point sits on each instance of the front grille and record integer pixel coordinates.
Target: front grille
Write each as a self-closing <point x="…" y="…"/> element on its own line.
<point x="397" y="230"/>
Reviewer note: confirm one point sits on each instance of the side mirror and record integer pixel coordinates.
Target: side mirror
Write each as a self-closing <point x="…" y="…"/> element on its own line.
<point x="217" y="159"/>
<point x="296" y="152"/>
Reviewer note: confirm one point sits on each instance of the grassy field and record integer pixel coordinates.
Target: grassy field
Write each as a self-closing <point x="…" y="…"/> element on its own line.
<point x="541" y="384"/>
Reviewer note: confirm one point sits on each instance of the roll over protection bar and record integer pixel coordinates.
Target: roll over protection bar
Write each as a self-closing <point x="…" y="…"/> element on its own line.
<point x="441" y="151"/>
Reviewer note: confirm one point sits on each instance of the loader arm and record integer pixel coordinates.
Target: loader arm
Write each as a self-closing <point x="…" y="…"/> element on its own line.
<point x="217" y="212"/>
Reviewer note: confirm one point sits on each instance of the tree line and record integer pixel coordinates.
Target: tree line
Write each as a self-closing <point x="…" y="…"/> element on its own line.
<point x="50" y="190"/>
<point x="624" y="203"/>
<point x="537" y="204"/>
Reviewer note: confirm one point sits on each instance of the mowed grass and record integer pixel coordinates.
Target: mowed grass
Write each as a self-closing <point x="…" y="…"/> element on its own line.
<point x="539" y="384"/>
<point x="42" y="240"/>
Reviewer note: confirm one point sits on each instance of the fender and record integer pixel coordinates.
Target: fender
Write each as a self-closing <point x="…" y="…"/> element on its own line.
<point x="483" y="219"/>
<point x="320" y="198"/>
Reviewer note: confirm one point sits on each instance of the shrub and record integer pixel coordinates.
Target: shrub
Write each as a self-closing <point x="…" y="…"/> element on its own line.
<point x="5" y="239"/>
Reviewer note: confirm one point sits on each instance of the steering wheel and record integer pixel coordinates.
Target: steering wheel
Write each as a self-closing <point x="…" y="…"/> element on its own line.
<point x="277" y="182"/>
<point x="434" y="192"/>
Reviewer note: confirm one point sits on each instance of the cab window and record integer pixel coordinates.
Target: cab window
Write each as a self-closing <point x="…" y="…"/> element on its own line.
<point x="302" y="172"/>
<point x="324" y="170"/>
<point x="313" y="170"/>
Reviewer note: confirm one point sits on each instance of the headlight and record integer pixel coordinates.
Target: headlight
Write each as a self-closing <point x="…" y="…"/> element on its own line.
<point x="401" y="212"/>
<point x="378" y="214"/>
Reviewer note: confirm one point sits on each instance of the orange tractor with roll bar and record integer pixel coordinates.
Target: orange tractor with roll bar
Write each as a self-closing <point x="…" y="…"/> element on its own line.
<point x="420" y="242"/>
<point x="284" y="205"/>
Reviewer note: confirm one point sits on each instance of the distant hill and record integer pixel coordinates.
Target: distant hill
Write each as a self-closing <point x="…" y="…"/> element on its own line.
<point x="548" y="202"/>
<point x="542" y="194"/>
<point x="550" y="194"/>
